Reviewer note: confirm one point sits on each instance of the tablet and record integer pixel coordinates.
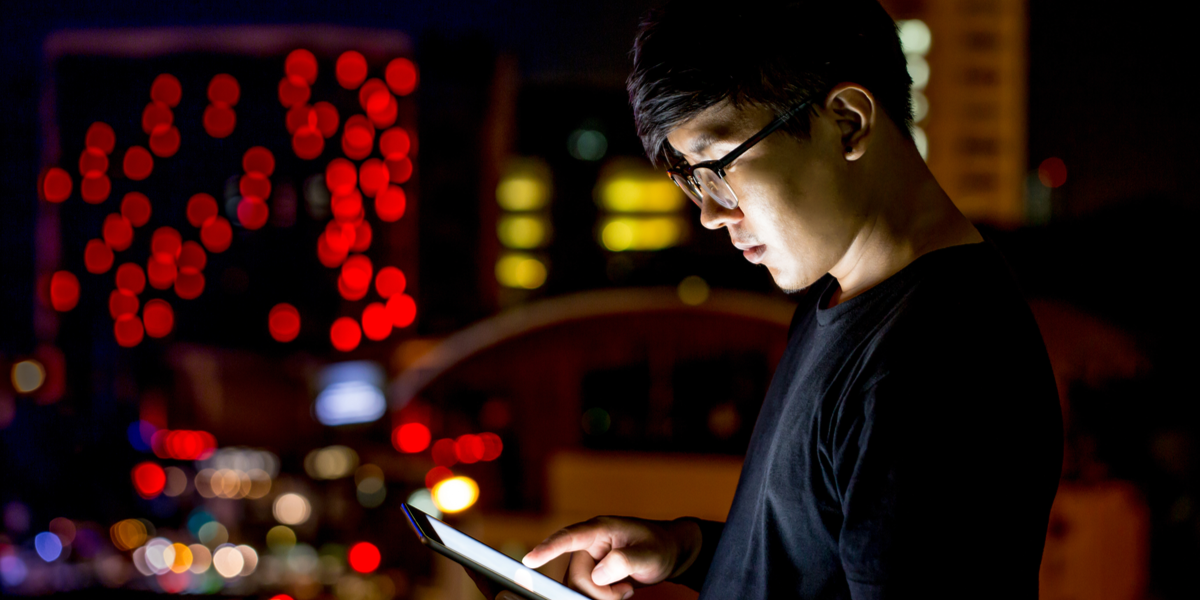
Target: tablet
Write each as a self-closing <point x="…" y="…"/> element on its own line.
<point x="487" y="561"/>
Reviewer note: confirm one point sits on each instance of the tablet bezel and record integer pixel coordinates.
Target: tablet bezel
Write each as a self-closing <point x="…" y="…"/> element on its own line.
<point x="428" y="536"/>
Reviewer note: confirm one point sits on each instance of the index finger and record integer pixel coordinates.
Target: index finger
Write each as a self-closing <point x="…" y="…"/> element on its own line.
<point x="568" y="539"/>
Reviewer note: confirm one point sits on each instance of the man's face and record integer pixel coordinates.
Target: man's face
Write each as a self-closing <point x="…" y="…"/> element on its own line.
<point x="794" y="213"/>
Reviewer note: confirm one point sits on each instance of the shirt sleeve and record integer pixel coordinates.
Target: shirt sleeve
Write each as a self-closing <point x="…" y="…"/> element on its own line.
<point x="710" y="534"/>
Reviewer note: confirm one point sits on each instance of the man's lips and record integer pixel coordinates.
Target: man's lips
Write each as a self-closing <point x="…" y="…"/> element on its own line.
<point x="752" y="252"/>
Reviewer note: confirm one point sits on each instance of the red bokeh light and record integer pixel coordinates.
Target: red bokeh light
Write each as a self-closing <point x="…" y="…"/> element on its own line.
<point x="301" y="63"/>
<point x="56" y="185"/>
<point x="394" y="143"/>
<point x="308" y="143"/>
<point x="357" y="272"/>
<point x="252" y="213"/>
<point x="159" y="318"/>
<point x="155" y="114"/>
<point x="138" y="163"/>
<point x="443" y="453"/>
<point x="161" y="270"/>
<point x="362" y="237"/>
<point x="64" y="290"/>
<point x="97" y="256"/>
<point x="363" y="557"/>
<point x="492" y="446"/>
<point x="259" y="160"/>
<point x="370" y="88"/>
<point x="358" y="137"/>
<point x="216" y="234"/>
<point x="128" y="331"/>
<point x="149" y="479"/>
<point x="403" y="310"/>
<point x="348" y="292"/>
<point x="200" y="208"/>
<point x="1052" y="172"/>
<point x="390" y="203"/>
<point x="400" y="169"/>
<point x="382" y="109"/>
<point x="345" y="334"/>
<point x="101" y="137"/>
<point x="92" y="160"/>
<point x="224" y="89"/>
<point x="327" y="118"/>
<point x="255" y="184"/>
<point x="189" y="283"/>
<point x="347" y="208"/>
<point x="166" y="240"/>
<point x="164" y="141"/>
<point x="437" y="475"/>
<point x="401" y="75"/>
<point x="135" y="206"/>
<point x="122" y="302"/>
<point x="131" y="278"/>
<point x="411" y="438"/>
<point x="117" y="232"/>
<point x="351" y="69"/>
<point x="297" y="117"/>
<point x="284" y="322"/>
<point x="340" y="176"/>
<point x="181" y="444"/>
<point x="94" y="188"/>
<point x="390" y="281"/>
<point x="373" y="175"/>
<point x="219" y="120"/>
<point x="192" y="255"/>
<point x="341" y="236"/>
<point x="328" y="255"/>
<point x="293" y="91"/>
<point x="166" y="89"/>
<point x="468" y="448"/>
<point x="376" y="322"/>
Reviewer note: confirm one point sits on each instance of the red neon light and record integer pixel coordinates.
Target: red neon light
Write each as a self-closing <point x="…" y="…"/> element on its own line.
<point x="135" y="206"/>
<point x="64" y="291"/>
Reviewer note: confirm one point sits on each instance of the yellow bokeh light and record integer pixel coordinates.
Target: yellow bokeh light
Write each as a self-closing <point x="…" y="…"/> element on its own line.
<point x="128" y="534"/>
<point x="183" y="558"/>
<point x="636" y="192"/>
<point x="455" y="494"/>
<point x="28" y="376"/>
<point x="291" y="509"/>
<point x="522" y="192"/>
<point x="517" y="270"/>
<point x="620" y="234"/>
<point x="332" y="462"/>
<point x="281" y="537"/>
<point x="693" y="290"/>
<point x="521" y="231"/>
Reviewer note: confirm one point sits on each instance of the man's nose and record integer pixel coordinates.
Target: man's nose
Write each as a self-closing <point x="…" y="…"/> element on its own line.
<point x="715" y="216"/>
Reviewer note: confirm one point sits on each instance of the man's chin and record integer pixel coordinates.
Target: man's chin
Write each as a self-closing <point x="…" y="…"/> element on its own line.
<point x="791" y="283"/>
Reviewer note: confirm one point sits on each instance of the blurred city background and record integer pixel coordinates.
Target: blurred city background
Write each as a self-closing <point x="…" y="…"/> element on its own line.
<point x="271" y="269"/>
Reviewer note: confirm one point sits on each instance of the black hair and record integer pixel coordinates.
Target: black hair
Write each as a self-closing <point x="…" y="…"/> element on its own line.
<point x="691" y="55"/>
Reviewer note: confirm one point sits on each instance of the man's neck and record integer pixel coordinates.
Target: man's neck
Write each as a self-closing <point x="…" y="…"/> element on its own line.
<point x="908" y="216"/>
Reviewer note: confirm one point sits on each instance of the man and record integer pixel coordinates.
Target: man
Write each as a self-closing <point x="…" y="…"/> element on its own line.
<point x="910" y="443"/>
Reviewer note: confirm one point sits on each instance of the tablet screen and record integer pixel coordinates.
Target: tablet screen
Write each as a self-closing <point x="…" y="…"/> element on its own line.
<point x="502" y="565"/>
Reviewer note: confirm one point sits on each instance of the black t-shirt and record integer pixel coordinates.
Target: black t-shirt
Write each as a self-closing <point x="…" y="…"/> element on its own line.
<point x="909" y="446"/>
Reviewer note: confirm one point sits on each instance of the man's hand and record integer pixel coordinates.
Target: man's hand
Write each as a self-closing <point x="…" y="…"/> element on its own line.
<point x="610" y="555"/>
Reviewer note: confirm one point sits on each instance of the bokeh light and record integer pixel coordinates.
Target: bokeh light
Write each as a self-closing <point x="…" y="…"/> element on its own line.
<point x="693" y="290"/>
<point x="138" y="163"/>
<point x="283" y="322"/>
<point x="219" y="120"/>
<point x="48" y="546"/>
<point x="228" y="561"/>
<point x="135" y="207"/>
<point x="64" y="288"/>
<point x="166" y="89"/>
<point x="182" y="560"/>
<point x="122" y="302"/>
<point x="351" y="69"/>
<point x="373" y="176"/>
<point x="128" y="331"/>
<point x="364" y="557"/>
<point x="293" y="91"/>
<point x="345" y="334"/>
<point x="216" y="234"/>
<point x="249" y="559"/>
<point x="131" y="278"/>
<point x="165" y="141"/>
<point x="1052" y="172"/>
<point x="308" y="143"/>
<point x="376" y="322"/>
<point x="97" y="256"/>
<point x="28" y="376"/>
<point x="291" y="509"/>
<point x="92" y="161"/>
<point x="252" y="213"/>
<point x="259" y="160"/>
<point x="189" y="283"/>
<point x="422" y="500"/>
<point x="177" y="482"/>
<point x="56" y="185"/>
<point x="468" y="448"/>
<point x="436" y="475"/>
<point x="224" y="89"/>
<point x="128" y="534"/>
<point x="301" y="63"/>
<point x="64" y="528"/>
<point x="411" y="438"/>
<point x="333" y="462"/>
<point x="394" y="143"/>
<point x="117" y="232"/>
<point x="390" y="281"/>
<point x="101" y="137"/>
<point x="519" y="270"/>
<point x="403" y="310"/>
<point x="149" y="479"/>
<point x="158" y="318"/>
<point x="201" y="558"/>
<point x="444" y="453"/>
<point x="255" y="184"/>
<point x="401" y="75"/>
<point x="455" y="494"/>
<point x="390" y="203"/>
<point x="493" y="446"/>
<point x="200" y="208"/>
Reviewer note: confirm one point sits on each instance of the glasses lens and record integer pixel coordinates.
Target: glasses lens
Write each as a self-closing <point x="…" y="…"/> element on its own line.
<point x="688" y="188"/>
<point x="716" y="187"/>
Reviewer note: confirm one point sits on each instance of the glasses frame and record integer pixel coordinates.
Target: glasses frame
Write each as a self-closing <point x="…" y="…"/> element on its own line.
<point x="695" y="191"/>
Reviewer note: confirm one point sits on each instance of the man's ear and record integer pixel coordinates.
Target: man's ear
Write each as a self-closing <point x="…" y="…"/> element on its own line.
<point x="853" y="108"/>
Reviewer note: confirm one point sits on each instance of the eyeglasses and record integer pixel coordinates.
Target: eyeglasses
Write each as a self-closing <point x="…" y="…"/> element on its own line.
<point x="708" y="177"/>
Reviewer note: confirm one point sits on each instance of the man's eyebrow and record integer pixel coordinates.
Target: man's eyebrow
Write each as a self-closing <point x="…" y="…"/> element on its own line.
<point x="700" y="143"/>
